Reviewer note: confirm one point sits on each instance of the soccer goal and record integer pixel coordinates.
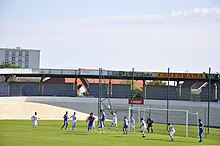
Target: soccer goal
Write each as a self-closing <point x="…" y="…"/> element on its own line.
<point x="159" y="115"/>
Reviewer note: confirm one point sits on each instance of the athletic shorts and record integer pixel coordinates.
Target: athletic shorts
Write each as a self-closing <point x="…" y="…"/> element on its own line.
<point x="172" y="132"/>
<point x="201" y="131"/>
<point x="35" y="123"/>
<point x="114" y="122"/>
<point x="132" y="126"/>
<point x="143" y="128"/>
<point x="66" y="122"/>
<point x="74" y="124"/>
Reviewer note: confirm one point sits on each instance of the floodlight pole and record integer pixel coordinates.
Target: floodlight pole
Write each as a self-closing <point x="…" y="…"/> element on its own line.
<point x="100" y="90"/>
<point x="209" y="89"/>
<point x="168" y="96"/>
<point x="132" y="90"/>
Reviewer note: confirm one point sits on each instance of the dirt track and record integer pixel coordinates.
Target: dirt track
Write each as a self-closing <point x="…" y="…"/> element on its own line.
<point x="49" y="107"/>
<point x="24" y="110"/>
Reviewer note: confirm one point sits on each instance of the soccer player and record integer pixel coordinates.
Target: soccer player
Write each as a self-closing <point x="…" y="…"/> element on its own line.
<point x="171" y="131"/>
<point x="114" y="120"/>
<point x="90" y="120"/>
<point x="143" y="127"/>
<point x="65" y="120"/>
<point x="125" y="126"/>
<point x="73" y="121"/>
<point x="100" y="123"/>
<point x="103" y="118"/>
<point x="132" y="124"/>
<point x="34" y="119"/>
<point x="201" y="129"/>
<point x="149" y="125"/>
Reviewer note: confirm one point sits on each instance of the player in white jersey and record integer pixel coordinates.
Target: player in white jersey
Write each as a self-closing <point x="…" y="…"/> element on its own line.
<point x="34" y="119"/>
<point x="73" y="121"/>
<point x="132" y="124"/>
<point x="143" y="127"/>
<point x="171" y="131"/>
<point x="114" y="120"/>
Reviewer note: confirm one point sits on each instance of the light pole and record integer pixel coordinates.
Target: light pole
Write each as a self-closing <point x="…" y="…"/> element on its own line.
<point x="168" y="79"/>
<point x="132" y="90"/>
<point x="209" y="89"/>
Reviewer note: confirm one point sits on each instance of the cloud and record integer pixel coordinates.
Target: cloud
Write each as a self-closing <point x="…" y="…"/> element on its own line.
<point x="177" y="16"/>
<point x="203" y="12"/>
<point x="115" y="24"/>
<point x="137" y="19"/>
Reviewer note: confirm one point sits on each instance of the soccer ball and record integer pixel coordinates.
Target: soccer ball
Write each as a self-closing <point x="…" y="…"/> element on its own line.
<point x="108" y="107"/>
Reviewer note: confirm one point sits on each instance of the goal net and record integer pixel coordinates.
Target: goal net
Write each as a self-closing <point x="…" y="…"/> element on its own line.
<point x="176" y="117"/>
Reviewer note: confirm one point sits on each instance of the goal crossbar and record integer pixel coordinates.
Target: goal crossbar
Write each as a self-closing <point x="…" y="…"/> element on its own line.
<point x="139" y="109"/>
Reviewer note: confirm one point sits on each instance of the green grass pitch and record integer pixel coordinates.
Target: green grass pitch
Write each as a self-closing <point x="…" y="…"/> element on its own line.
<point x="19" y="133"/>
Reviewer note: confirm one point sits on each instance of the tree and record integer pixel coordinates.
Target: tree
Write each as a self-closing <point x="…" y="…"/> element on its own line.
<point x="137" y="91"/>
<point x="157" y="83"/>
<point x="9" y="65"/>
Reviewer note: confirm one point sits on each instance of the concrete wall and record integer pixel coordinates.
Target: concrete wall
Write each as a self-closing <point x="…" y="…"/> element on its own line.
<point x="94" y="90"/>
<point x="204" y="94"/>
<point x="3" y="89"/>
<point x="34" y="59"/>
<point x="58" y="89"/>
<point x="121" y="90"/>
<point x="36" y="89"/>
<point x="160" y="92"/>
<point x="118" y="90"/>
<point x="2" y="56"/>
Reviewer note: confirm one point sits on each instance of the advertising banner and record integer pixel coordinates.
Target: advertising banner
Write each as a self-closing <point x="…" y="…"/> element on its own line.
<point x="135" y="101"/>
<point x="213" y="76"/>
<point x="181" y="75"/>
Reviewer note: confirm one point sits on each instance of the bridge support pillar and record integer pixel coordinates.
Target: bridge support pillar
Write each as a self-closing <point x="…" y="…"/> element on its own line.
<point x="144" y="89"/>
<point x="75" y="87"/>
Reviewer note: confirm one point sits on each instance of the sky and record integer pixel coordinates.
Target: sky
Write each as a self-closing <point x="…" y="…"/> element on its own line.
<point x="147" y="35"/>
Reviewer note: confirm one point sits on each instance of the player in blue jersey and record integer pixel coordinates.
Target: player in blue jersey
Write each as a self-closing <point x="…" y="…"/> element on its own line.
<point x="90" y="120"/>
<point x="65" y="120"/>
<point x="201" y="129"/>
<point x="125" y="126"/>
<point x="102" y="120"/>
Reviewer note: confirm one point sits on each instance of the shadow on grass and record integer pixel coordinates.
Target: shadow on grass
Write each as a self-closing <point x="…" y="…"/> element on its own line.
<point x="169" y="140"/>
<point x="118" y="136"/>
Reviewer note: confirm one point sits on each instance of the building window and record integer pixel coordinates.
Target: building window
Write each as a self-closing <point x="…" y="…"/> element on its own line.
<point x="6" y="58"/>
<point x="19" y="63"/>
<point x="13" y="53"/>
<point x="26" y="64"/>
<point x="26" y="59"/>
<point x="6" y="53"/>
<point x="12" y="58"/>
<point x="20" y="53"/>
<point x="26" y="53"/>
<point x="20" y="59"/>
<point x="13" y="63"/>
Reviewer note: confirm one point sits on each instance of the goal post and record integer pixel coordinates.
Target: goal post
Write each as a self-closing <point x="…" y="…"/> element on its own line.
<point x="157" y="110"/>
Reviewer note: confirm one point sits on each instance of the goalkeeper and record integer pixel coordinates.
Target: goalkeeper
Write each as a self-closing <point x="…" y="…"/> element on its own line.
<point x="150" y="125"/>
